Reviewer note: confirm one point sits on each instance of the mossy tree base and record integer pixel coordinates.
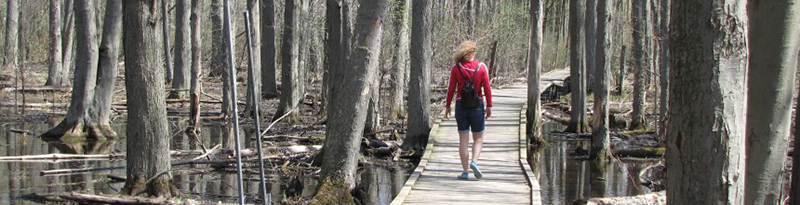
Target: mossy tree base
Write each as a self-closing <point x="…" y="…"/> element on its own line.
<point x="578" y="128"/>
<point x="160" y="186"/>
<point x="79" y="130"/>
<point x="602" y="155"/>
<point x="333" y="192"/>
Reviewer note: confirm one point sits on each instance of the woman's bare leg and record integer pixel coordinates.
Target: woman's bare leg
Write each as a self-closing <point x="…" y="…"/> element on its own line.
<point x="477" y="145"/>
<point x="463" y="150"/>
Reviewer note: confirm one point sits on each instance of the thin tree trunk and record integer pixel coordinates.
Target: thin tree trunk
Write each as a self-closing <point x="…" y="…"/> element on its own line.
<point x="290" y="73"/>
<point x="795" y="190"/>
<point x="706" y="132"/>
<point x="621" y="77"/>
<point x="228" y="100"/>
<point x="349" y="112"/>
<point x="148" y="159"/>
<point x="773" y="43"/>
<point x="399" y="73"/>
<point x="183" y="48"/>
<point x="165" y="38"/>
<point x="419" y="111"/>
<point x="269" y="85"/>
<point x="217" y="42"/>
<point x="54" y="75"/>
<point x="534" y="112"/>
<point x="334" y="50"/>
<point x="100" y="111"/>
<point x="590" y="42"/>
<point x="12" y="34"/>
<point x="664" y="66"/>
<point x="642" y="66"/>
<point x="197" y="60"/>
<point x="601" y="141"/>
<point x="578" y="122"/>
<point x="68" y="41"/>
<point x="75" y="123"/>
<point x="255" y="12"/>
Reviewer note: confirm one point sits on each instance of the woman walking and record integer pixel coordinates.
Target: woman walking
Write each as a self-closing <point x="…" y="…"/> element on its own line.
<point x="470" y="78"/>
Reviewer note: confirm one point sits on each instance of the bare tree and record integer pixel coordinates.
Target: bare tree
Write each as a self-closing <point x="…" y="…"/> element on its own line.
<point x="269" y="85"/>
<point x="642" y="65"/>
<point x="590" y="42"/>
<point x="148" y="150"/>
<point x="706" y="130"/>
<point x="290" y="74"/>
<point x="68" y="40"/>
<point x="534" y="112"/>
<point x="100" y="110"/>
<point x="217" y="43"/>
<point x="399" y="82"/>
<point x="773" y="43"/>
<point x="349" y="112"/>
<point x="183" y="47"/>
<point x="419" y="111"/>
<point x="77" y="122"/>
<point x="601" y="141"/>
<point x="194" y="90"/>
<point x="255" y="12"/>
<point x="578" y="122"/>
<point x="663" y="40"/>
<point x="334" y="49"/>
<point x="12" y="34"/>
<point x="54" y="71"/>
<point x="165" y="39"/>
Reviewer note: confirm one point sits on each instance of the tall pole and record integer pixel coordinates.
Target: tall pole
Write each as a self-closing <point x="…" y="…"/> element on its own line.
<point x="255" y="96"/>
<point x="235" y="114"/>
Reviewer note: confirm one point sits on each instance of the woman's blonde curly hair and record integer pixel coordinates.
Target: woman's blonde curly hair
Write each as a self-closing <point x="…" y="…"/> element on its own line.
<point x="465" y="51"/>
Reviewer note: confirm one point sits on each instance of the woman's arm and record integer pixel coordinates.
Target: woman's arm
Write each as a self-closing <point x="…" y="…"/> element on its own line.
<point x="451" y="88"/>
<point x="487" y="88"/>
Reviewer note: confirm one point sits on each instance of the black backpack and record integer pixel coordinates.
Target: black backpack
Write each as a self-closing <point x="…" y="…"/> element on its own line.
<point x="469" y="97"/>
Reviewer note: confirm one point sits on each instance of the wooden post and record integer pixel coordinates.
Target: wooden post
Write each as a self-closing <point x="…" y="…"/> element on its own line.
<point x="493" y="73"/>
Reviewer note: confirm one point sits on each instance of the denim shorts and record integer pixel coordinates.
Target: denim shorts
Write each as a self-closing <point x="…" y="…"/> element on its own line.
<point x="470" y="118"/>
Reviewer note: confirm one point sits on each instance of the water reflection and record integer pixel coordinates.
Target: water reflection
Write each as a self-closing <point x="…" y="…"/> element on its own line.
<point x="565" y="177"/>
<point x="196" y="181"/>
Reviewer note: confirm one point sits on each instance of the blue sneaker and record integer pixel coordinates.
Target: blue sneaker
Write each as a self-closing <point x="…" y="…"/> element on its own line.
<point x="474" y="166"/>
<point x="464" y="176"/>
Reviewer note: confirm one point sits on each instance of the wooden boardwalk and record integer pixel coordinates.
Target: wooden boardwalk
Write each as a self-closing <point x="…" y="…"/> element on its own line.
<point x="504" y="180"/>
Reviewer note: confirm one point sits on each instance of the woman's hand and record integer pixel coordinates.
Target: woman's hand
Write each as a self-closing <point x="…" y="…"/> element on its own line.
<point x="447" y="113"/>
<point x="488" y="112"/>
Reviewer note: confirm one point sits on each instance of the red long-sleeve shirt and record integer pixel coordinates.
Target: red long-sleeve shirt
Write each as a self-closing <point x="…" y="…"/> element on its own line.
<point x="481" y="83"/>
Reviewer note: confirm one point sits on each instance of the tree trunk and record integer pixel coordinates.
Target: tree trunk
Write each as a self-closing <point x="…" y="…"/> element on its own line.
<point x="197" y="60"/>
<point x="706" y="132"/>
<point x="148" y="159"/>
<point x="663" y="68"/>
<point x="795" y="191"/>
<point x="398" y="74"/>
<point x="534" y="112"/>
<point x="773" y="44"/>
<point x="601" y="142"/>
<point x="349" y="112"/>
<point x="12" y="34"/>
<point x="419" y="89"/>
<point x="100" y="111"/>
<point x="183" y="50"/>
<point x="68" y="41"/>
<point x="217" y="42"/>
<point x="54" y="71"/>
<point x="333" y="53"/>
<point x="640" y="70"/>
<point x="290" y="92"/>
<point x="470" y="19"/>
<point x="165" y="38"/>
<point x="255" y="12"/>
<point x="590" y="42"/>
<point x="578" y="122"/>
<point x="269" y="85"/>
<point x="75" y="124"/>
<point x="621" y="77"/>
<point x="228" y="101"/>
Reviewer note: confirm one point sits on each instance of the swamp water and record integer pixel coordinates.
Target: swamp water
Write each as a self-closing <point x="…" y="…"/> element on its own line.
<point x="565" y="176"/>
<point x="379" y="184"/>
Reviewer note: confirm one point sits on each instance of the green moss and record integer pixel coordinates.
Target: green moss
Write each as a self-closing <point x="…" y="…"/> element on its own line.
<point x="333" y="192"/>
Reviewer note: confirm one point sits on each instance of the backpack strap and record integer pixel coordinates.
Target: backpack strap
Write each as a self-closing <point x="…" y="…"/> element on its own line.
<point x="459" y="66"/>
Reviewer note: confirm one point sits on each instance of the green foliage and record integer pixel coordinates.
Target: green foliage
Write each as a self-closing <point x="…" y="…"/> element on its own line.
<point x="333" y="192"/>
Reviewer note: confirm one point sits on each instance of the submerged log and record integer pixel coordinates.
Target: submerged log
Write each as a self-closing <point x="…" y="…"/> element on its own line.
<point x="652" y="198"/>
<point x="97" y="199"/>
<point x="645" y="152"/>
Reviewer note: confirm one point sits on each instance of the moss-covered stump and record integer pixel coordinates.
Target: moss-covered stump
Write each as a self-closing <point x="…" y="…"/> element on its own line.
<point x="159" y="186"/>
<point x="333" y="192"/>
<point x="78" y="131"/>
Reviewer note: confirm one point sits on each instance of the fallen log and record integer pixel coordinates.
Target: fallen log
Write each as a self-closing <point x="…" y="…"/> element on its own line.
<point x="652" y="198"/>
<point x="645" y="152"/>
<point x="110" y="156"/>
<point x="39" y="89"/>
<point x="97" y="199"/>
